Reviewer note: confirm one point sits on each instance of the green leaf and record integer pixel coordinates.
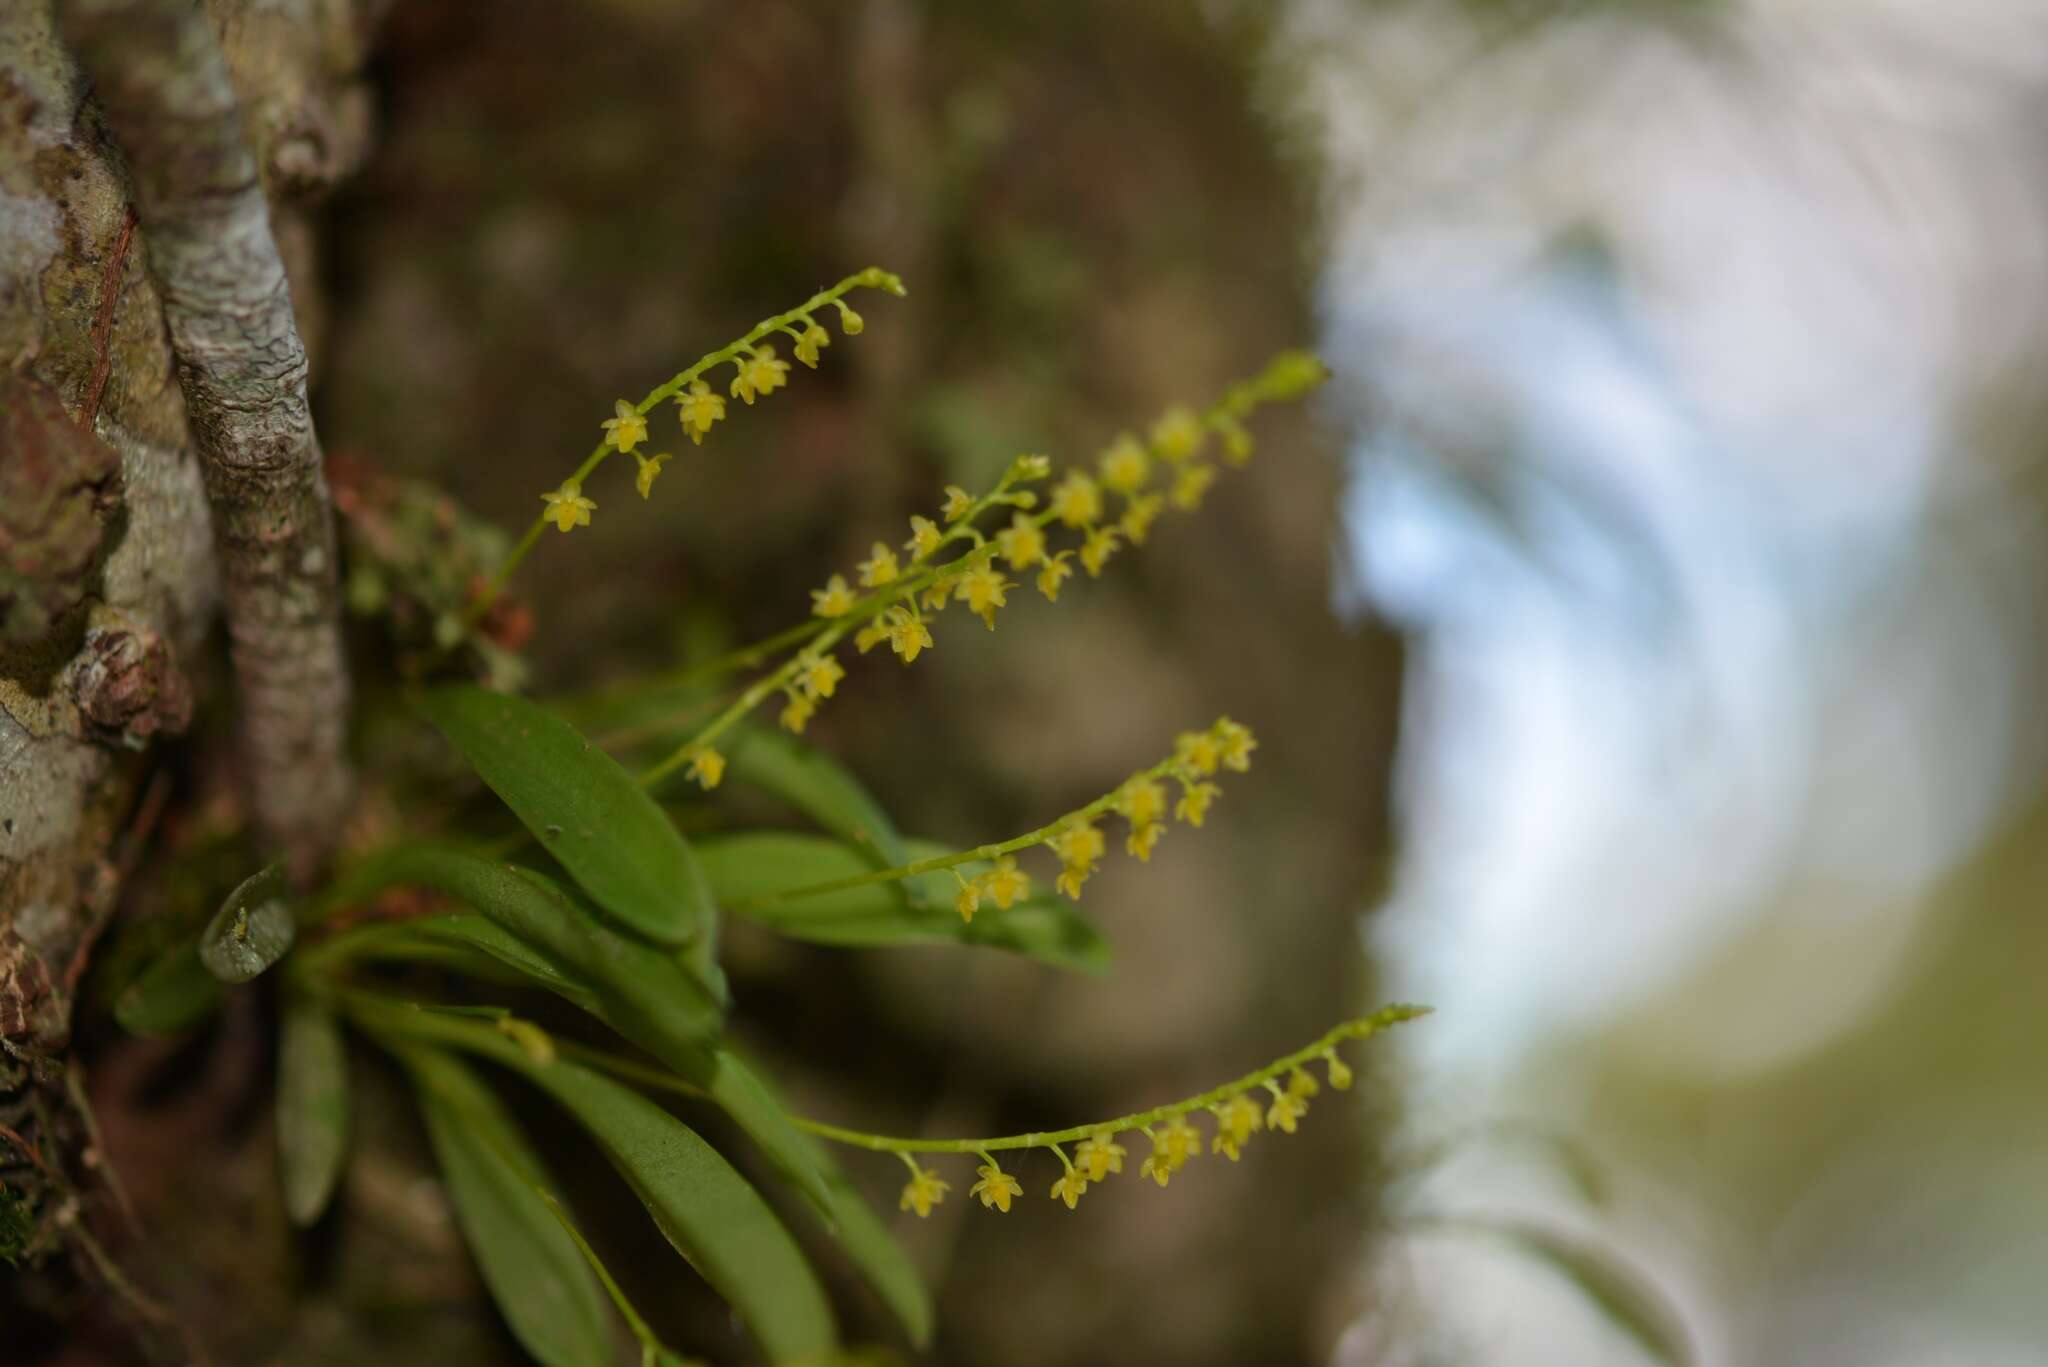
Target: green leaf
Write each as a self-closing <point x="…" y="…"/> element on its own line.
<point x="535" y="1272"/>
<point x="917" y="911"/>
<point x="818" y="786"/>
<point x="866" y="1240"/>
<point x="1628" y="1300"/>
<point x="312" y="1106"/>
<point x="706" y="1209"/>
<point x="472" y="931"/>
<point x="583" y="807"/>
<point x="644" y="994"/>
<point x="252" y="930"/>
<point x="173" y="993"/>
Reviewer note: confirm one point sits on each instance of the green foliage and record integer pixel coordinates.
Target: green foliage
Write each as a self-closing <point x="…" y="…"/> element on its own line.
<point x="819" y="787"/>
<point x="252" y="930"/>
<point x="312" y="1106"/>
<point x="172" y="993"/>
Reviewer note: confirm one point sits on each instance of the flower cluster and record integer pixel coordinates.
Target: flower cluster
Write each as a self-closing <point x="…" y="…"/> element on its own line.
<point x="1239" y="1110"/>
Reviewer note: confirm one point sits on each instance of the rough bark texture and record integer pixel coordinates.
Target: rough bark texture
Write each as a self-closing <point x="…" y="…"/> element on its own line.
<point x="163" y="83"/>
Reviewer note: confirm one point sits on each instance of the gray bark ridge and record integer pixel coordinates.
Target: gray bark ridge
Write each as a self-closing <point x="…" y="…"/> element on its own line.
<point x="163" y="85"/>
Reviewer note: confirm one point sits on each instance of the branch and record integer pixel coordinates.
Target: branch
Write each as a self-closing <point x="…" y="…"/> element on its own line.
<point x="163" y="84"/>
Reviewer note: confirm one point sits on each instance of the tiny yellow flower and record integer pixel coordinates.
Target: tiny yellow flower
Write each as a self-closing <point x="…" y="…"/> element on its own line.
<point x="1237" y="442"/>
<point x="969" y="899"/>
<point x="1026" y="469"/>
<point x="1236" y="1121"/>
<point x="983" y="589"/>
<point x="809" y="341"/>
<point x="1200" y="751"/>
<point x="1021" y="543"/>
<point x="819" y="677"/>
<point x="797" y="714"/>
<point x="1138" y="518"/>
<point x="1190" y="484"/>
<point x="995" y="1188"/>
<point x="958" y="501"/>
<point x="923" y="1191"/>
<point x="650" y="466"/>
<point x="836" y="599"/>
<point x="1287" y="1109"/>
<point x="1173" y="1144"/>
<point x="870" y="636"/>
<point x="1006" y="883"/>
<point x="1301" y="1084"/>
<point x="707" y="766"/>
<point x="1339" y="1070"/>
<point x="1234" y="744"/>
<point x="924" y="538"/>
<point x="759" y="372"/>
<point x="1076" y="501"/>
<point x="1142" y="801"/>
<point x="699" y="408"/>
<point x="568" y="509"/>
<point x="627" y="429"/>
<point x="879" y="568"/>
<point x="1195" y="798"/>
<point x="1177" y="435"/>
<point x="1099" y="1155"/>
<point x="907" y="635"/>
<point x="1125" y="467"/>
<point x="849" y="322"/>
<point x="1057" y="570"/>
<point x="937" y="594"/>
<point x="1078" y="846"/>
<point x="1096" y="550"/>
<point x="1141" y="839"/>
<point x="1070" y="1188"/>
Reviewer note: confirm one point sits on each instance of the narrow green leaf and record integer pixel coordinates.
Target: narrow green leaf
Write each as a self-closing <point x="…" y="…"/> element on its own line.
<point x="867" y="1242"/>
<point x="173" y="993"/>
<point x="1628" y="1300"/>
<point x="536" y="1274"/>
<point x="584" y="809"/>
<point x="706" y="1209"/>
<point x="818" y="786"/>
<point x="472" y="931"/>
<point x="252" y="930"/>
<point x="915" y="911"/>
<point x="312" y="1106"/>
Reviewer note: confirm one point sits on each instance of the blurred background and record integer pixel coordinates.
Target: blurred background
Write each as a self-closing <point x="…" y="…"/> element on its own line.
<point x="1643" y="635"/>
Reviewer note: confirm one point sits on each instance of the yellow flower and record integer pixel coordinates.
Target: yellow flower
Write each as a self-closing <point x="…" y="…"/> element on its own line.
<point x="650" y="466"/>
<point x="707" y="766"/>
<point x="907" y="634"/>
<point x="1025" y="469"/>
<point x="870" y="636"/>
<point x="1096" y="550"/>
<point x="797" y="715"/>
<point x="819" y="677"/>
<point x="1125" y="467"/>
<point x="1237" y="442"/>
<point x="1173" y="1144"/>
<point x="1199" y="751"/>
<point x="958" y="501"/>
<point x="1021" y="543"/>
<point x="626" y="430"/>
<point x="1142" y="801"/>
<point x="969" y="900"/>
<point x="1078" y="846"/>
<point x="1340" y="1071"/>
<point x="1138" y="518"/>
<point x="1006" y="883"/>
<point x="567" y="507"/>
<point x="924" y="538"/>
<point x="1234" y="744"/>
<point x="1057" y="570"/>
<point x="759" y="372"/>
<point x="698" y="409"/>
<point x="982" y="589"/>
<point x="995" y="1188"/>
<point x="809" y="341"/>
<point x="1236" y="1121"/>
<point x="924" y="1190"/>
<point x="1286" y="1110"/>
<point x="1195" y="798"/>
<point x="879" y="568"/>
<point x="937" y="594"/>
<point x="1141" y="839"/>
<point x="1177" y="435"/>
<point x="834" y="600"/>
<point x="849" y="322"/>
<point x="1070" y="1188"/>
<point x="1190" y="485"/>
<point x="1301" y="1084"/>
<point x="1099" y="1155"/>
<point x="1076" y="502"/>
